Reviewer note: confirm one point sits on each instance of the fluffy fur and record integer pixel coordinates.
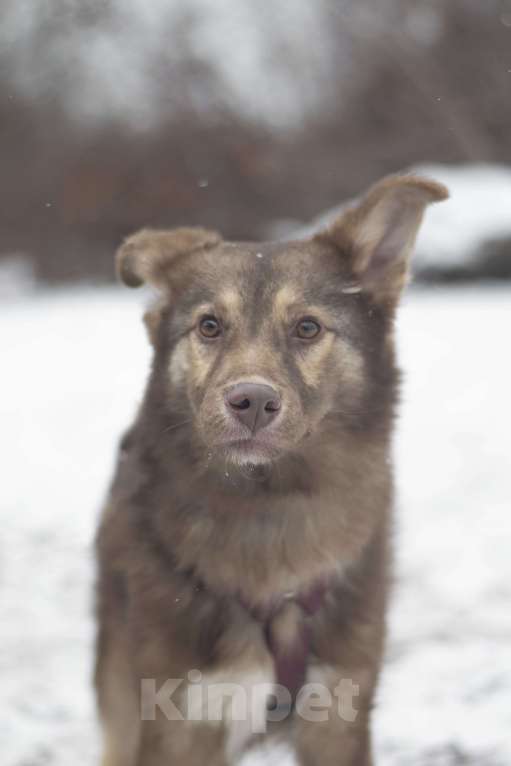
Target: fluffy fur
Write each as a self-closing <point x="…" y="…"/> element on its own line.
<point x="206" y="523"/>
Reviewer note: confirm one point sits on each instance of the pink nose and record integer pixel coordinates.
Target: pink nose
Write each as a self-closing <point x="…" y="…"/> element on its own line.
<point x="253" y="404"/>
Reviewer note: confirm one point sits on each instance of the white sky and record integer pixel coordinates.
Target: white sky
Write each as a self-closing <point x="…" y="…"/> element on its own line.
<point x="270" y="56"/>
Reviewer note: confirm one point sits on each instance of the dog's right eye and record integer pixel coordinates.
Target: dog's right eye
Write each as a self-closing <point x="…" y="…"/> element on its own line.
<point x="209" y="327"/>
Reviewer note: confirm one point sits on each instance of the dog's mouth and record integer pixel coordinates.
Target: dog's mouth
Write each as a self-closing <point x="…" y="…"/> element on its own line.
<point x="252" y="449"/>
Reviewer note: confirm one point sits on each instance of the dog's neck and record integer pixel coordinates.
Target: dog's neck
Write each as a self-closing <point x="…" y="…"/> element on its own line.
<point x="269" y="529"/>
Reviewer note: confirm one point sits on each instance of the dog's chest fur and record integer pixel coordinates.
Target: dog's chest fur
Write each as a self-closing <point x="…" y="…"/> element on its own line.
<point x="256" y="536"/>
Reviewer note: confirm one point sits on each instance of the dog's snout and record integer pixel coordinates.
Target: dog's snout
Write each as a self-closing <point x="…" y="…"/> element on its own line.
<point x="253" y="404"/>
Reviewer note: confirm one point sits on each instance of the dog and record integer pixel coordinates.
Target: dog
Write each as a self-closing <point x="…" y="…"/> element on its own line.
<point x="244" y="555"/>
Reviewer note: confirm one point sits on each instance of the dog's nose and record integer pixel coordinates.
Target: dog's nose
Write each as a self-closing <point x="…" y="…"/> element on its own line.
<point x="254" y="404"/>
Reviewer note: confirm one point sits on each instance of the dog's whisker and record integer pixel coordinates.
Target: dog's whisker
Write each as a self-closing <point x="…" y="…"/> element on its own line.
<point x="176" y="425"/>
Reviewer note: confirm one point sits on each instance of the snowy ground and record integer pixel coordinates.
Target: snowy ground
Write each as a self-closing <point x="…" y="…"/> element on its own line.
<point x="73" y="365"/>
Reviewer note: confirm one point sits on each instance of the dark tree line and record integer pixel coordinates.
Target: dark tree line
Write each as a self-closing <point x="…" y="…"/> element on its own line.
<point x="71" y="190"/>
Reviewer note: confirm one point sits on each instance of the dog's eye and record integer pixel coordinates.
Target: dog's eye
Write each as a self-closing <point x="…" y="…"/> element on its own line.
<point x="307" y="329"/>
<point x="209" y="327"/>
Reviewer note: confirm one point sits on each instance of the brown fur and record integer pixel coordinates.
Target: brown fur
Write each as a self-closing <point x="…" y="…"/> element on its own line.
<point x="201" y="529"/>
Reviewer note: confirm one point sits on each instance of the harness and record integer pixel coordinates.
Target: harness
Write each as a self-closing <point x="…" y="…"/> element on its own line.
<point x="290" y="660"/>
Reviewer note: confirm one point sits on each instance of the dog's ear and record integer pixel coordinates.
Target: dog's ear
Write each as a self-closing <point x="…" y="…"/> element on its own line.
<point x="147" y="256"/>
<point x="378" y="232"/>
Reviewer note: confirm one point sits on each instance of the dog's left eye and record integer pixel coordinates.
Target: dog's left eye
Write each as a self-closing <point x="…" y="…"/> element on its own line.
<point x="307" y="329"/>
<point x="209" y="327"/>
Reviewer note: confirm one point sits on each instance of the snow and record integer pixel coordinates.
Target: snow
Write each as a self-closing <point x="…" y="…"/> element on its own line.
<point x="74" y="365"/>
<point x="478" y="212"/>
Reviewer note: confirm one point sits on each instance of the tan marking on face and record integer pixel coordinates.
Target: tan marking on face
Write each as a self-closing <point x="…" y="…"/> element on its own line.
<point x="200" y="358"/>
<point x="289" y="306"/>
<point x="282" y="301"/>
<point x="256" y="356"/>
<point x="179" y="363"/>
<point x="352" y="364"/>
<point x="310" y="363"/>
<point x="254" y="361"/>
<point x="230" y="302"/>
<point x="192" y="359"/>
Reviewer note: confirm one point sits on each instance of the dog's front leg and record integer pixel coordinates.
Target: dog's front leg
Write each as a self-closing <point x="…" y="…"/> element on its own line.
<point x="331" y="726"/>
<point x="175" y="743"/>
<point x="211" y="718"/>
<point x="332" y="715"/>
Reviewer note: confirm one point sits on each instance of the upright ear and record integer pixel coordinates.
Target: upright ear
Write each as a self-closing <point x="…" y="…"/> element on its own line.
<point x="378" y="232"/>
<point x="148" y="255"/>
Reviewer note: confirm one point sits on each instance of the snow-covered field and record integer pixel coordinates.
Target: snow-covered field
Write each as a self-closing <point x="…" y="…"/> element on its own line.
<point x="73" y="366"/>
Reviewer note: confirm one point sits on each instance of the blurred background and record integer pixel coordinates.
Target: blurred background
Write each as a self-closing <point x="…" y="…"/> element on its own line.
<point x="244" y="116"/>
<point x="258" y="119"/>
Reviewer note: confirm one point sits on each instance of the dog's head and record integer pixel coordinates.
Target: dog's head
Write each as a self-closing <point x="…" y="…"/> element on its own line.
<point x="261" y="346"/>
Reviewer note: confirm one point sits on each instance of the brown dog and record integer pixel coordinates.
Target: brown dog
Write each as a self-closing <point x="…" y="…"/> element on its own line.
<point x="244" y="552"/>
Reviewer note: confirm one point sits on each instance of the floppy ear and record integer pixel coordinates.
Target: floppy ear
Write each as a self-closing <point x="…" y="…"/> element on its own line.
<point x="147" y="256"/>
<point x="378" y="232"/>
